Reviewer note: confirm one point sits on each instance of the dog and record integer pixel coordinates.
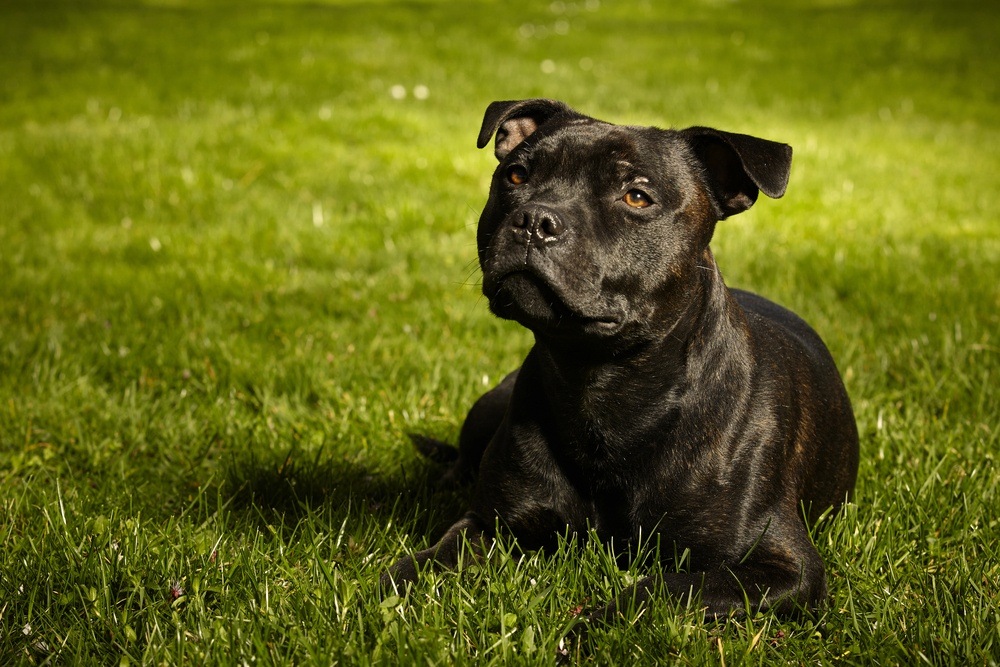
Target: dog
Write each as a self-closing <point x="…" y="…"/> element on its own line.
<point x="655" y="402"/>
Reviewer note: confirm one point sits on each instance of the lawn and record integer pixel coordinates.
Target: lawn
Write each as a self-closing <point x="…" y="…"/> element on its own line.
<point x="237" y="267"/>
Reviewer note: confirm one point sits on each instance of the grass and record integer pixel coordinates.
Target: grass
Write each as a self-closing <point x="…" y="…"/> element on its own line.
<point x="237" y="271"/>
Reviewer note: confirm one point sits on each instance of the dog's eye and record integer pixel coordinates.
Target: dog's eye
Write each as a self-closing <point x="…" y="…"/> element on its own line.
<point x="517" y="174"/>
<point x="637" y="199"/>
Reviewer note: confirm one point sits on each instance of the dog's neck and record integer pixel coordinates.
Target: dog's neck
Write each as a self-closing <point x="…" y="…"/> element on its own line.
<point x="617" y="396"/>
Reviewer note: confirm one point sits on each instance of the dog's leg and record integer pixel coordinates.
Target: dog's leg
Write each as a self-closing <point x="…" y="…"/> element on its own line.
<point x="767" y="579"/>
<point x="445" y="554"/>
<point x="481" y="424"/>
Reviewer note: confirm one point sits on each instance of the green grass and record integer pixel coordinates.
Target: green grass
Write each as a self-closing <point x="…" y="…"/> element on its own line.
<point x="235" y="271"/>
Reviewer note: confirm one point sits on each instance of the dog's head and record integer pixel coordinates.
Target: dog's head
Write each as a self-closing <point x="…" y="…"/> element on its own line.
<point x="594" y="230"/>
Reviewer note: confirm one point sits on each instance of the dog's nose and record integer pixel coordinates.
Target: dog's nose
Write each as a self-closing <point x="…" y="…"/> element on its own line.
<point x="538" y="226"/>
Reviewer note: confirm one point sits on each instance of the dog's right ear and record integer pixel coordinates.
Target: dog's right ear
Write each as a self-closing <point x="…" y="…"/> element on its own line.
<point x="513" y="121"/>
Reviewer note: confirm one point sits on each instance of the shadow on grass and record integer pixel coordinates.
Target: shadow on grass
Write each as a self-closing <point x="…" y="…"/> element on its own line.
<point x="300" y="484"/>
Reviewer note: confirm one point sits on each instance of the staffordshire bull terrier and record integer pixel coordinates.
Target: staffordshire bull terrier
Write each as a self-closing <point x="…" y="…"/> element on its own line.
<point x="655" y="401"/>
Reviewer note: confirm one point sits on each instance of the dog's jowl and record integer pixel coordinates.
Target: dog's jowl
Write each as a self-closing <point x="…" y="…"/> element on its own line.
<point x="656" y="402"/>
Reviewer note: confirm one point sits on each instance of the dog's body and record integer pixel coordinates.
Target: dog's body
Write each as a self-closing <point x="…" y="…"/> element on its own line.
<point x="655" y="402"/>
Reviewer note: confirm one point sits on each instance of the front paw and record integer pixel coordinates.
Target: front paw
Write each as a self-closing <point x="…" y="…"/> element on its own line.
<point x="396" y="578"/>
<point x="575" y="643"/>
<point x="605" y="615"/>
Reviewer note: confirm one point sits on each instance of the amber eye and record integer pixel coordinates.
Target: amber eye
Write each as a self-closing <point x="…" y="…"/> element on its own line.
<point x="637" y="199"/>
<point x="517" y="174"/>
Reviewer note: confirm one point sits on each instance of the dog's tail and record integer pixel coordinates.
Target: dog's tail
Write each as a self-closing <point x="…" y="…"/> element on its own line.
<point x="434" y="450"/>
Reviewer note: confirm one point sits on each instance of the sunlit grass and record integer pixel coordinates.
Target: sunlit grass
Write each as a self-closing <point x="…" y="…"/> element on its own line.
<point x="237" y="265"/>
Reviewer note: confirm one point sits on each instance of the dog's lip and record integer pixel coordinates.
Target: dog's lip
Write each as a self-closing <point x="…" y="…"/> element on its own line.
<point x="604" y="322"/>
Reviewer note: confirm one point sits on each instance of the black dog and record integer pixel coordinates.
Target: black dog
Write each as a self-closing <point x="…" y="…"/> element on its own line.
<point x="655" y="398"/>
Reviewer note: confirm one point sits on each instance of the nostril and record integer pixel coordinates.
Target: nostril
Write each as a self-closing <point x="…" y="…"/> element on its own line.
<point x="537" y="225"/>
<point x="552" y="226"/>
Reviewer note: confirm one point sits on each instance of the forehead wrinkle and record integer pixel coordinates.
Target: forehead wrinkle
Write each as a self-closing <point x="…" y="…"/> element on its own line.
<point x="625" y="169"/>
<point x="612" y="154"/>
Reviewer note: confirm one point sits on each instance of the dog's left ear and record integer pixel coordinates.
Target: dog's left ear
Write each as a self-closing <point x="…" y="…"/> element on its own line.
<point x="513" y="121"/>
<point x="738" y="166"/>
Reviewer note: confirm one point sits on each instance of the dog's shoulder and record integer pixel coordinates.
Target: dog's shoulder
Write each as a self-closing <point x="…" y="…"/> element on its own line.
<point x="772" y="325"/>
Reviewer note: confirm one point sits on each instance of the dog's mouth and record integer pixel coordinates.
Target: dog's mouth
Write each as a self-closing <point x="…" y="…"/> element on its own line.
<point x="525" y="297"/>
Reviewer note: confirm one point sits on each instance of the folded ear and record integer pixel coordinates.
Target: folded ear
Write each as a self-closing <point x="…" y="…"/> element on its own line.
<point x="515" y="120"/>
<point x="738" y="166"/>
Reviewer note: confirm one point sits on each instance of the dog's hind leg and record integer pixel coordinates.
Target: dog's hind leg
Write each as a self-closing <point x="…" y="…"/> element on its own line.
<point x="481" y="424"/>
<point x="788" y="578"/>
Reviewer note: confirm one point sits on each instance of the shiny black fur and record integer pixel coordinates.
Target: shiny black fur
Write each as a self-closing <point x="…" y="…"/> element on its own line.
<point x="655" y="401"/>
